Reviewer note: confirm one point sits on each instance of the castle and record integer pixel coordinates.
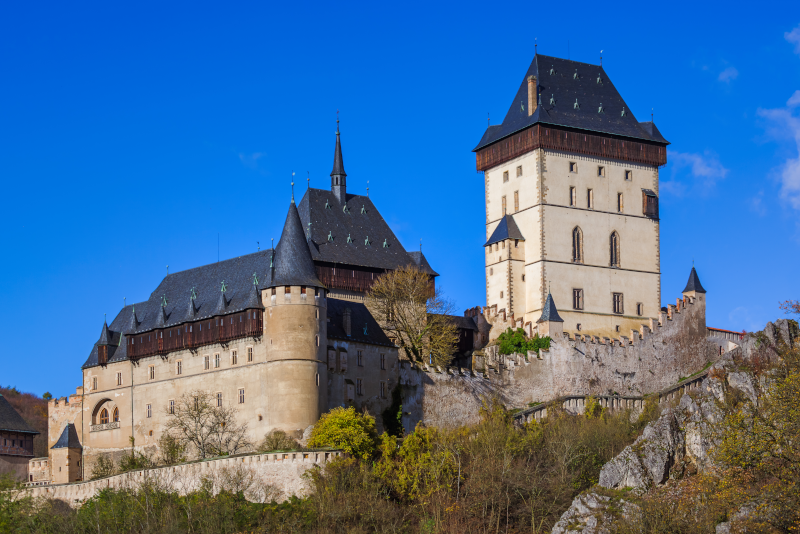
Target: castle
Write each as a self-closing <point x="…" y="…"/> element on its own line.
<point x="283" y="335"/>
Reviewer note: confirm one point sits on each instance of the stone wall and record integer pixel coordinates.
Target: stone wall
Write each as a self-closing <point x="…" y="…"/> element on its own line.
<point x="261" y="477"/>
<point x="650" y="359"/>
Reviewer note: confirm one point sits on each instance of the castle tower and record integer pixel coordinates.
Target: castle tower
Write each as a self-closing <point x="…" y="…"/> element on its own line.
<point x="295" y="334"/>
<point x="578" y="176"/>
<point x="550" y="323"/>
<point x="694" y="289"/>
<point x="338" y="176"/>
<point x="65" y="457"/>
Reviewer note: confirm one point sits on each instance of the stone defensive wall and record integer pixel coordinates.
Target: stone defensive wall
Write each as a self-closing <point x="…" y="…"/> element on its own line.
<point x="659" y="355"/>
<point x="261" y="477"/>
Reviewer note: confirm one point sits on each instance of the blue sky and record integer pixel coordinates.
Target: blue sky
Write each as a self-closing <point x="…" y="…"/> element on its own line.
<point x="132" y="135"/>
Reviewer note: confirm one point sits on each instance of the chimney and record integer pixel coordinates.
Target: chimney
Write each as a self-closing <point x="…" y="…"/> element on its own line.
<point x="532" y="95"/>
<point x="346" y="320"/>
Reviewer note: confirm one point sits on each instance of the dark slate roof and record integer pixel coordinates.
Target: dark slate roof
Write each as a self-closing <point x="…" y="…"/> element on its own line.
<point x="338" y="163"/>
<point x="565" y="89"/>
<point x="360" y="221"/>
<point x="68" y="439"/>
<point x="550" y="313"/>
<point x="359" y="318"/>
<point x="419" y="259"/>
<point x="694" y="283"/>
<point x="11" y="420"/>
<point x="293" y="263"/>
<point x="464" y="323"/>
<point x="105" y="335"/>
<point x="506" y="229"/>
<point x="177" y="288"/>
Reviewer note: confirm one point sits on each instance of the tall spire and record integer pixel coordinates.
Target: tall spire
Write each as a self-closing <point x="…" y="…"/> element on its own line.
<point x="693" y="284"/>
<point x="293" y="265"/>
<point x="338" y="176"/>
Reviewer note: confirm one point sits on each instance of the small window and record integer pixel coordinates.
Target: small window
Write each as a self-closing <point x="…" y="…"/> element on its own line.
<point x="617" y="328"/>
<point x="206" y="362"/>
<point x="503" y="203"/>
<point x="250" y="351"/>
<point x="618" y="304"/>
<point x="383" y="361"/>
<point x="383" y="390"/>
<point x="573" y="167"/>
<point x="589" y="198"/>
<point x="491" y="271"/>
<point x="639" y="309"/>
<point x="216" y="360"/>
<point x="152" y="372"/>
<point x="234" y="357"/>
<point x="149" y="411"/>
<point x="287" y="290"/>
<point x="316" y="339"/>
<point x="619" y="202"/>
<point x="103" y="416"/>
<point x="219" y="399"/>
<point x="360" y="385"/>
<point x="241" y="396"/>
<point x="501" y="294"/>
<point x="614" y="250"/>
<point x="601" y="171"/>
<point x="516" y="243"/>
<point x="505" y="176"/>
<point x="302" y="290"/>
<point x="504" y="245"/>
<point x="119" y="379"/>
<point x="629" y="175"/>
<point x="573" y="196"/>
<point x="578" y="327"/>
<point x="94" y="383"/>
<point x="523" y="277"/>
<point x="360" y="358"/>
<point x="577" y="245"/>
<point x="516" y="201"/>
<point x="179" y="367"/>
<point x="116" y="415"/>
<point x="577" y="299"/>
<point x="172" y="407"/>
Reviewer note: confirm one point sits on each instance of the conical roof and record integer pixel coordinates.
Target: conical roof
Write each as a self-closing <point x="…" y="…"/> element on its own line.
<point x="133" y="324"/>
<point x="506" y="229"/>
<point x="161" y="317"/>
<point x="68" y="439"/>
<point x="293" y="264"/>
<point x="550" y="313"/>
<point x="105" y="335"/>
<point x="192" y="306"/>
<point x="694" y="283"/>
<point x="253" y="297"/>
<point x="222" y="302"/>
<point x="338" y="163"/>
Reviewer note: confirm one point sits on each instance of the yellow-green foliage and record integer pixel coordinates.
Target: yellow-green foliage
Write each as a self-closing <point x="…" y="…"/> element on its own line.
<point x="346" y="429"/>
<point x="593" y="408"/>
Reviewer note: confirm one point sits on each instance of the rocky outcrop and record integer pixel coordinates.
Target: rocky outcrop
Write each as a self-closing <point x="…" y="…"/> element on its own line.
<point x="591" y="513"/>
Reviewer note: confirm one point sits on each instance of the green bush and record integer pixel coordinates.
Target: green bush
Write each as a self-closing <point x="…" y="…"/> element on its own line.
<point x="278" y="440"/>
<point x="515" y="341"/>
<point x="346" y="429"/>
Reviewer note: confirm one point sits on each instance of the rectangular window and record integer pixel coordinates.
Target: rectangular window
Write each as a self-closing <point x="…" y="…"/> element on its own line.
<point x="119" y="379"/>
<point x="618" y="306"/>
<point x="573" y="196"/>
<point x="359" y="386"/>
<point x="383" y="390"/>
<point x="172" y="407"/>
<point x="619" y="202"/>
<point x="287" y="290"/>
<point x="94" y="383"/>
<point x="219" y="399"/>
<point x="360" y="358"/>
<point x="152" y="372"/>
<point x="577" y="299"/>
<point x="206" y="362"/>
<point x="249" y="354"/>
<point x="601" y="171"/>
<point x="149" y="411"/>
<point x="639" y="309"/>
<point x="629" y="175"/>
<point x="234" y="357"/>
<point x="589" y="198"/>
<point x="241" y="396"/>
<point x="519" y="171"/>
<point x="573" y="167"/>
<point x="516" y="201"/>
<point x="504" y="204"/>
<point x="383" y="361"/>
<point x="505" y="176"/>
<point x="216" y="360"/>
<point x="179" y="367"/>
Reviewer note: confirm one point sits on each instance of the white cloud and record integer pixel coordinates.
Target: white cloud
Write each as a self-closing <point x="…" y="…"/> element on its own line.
<point x="794" y="100"/>
<point x="728" y="75"/>
<point x="702" y="170"/>
<point x="783" y="124"/>
<point x="250" y="160"/>
<point x="794" y="38"/>
<point x="744" y="317"/>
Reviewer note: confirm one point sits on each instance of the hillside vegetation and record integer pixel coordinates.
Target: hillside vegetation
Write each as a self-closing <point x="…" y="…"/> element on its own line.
<point x="34" y="410"/>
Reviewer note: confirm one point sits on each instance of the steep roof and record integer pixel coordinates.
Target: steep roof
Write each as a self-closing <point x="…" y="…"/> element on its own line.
<point x="506" y="229"/>
<point x="371" y="242"/>
<point x="464" y="323"/>
<point x="694" y="283"/>
<point x="338" y="162"/>
<point x="360" y="317"/>
<point x="549" y="312"/>
<point x="562" y="82"/>
<point x="11" y="420"/>
<point x="420" y="259"/>
<point x="293" y="263"/>
<point x="68" y="439"/>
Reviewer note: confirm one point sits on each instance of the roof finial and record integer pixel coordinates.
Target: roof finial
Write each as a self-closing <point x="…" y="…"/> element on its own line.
<point x="488" y="120"/>
<point x="124" y="301"/>
<point x="420" y="244"/>
<point x="367" y="188"/>
<point x="167" y="270"/>
<point x="292" y="187"/>
<point x="535" y="45"/>
<point x="259" y="245"/>
<point x="651" y="115"/>
<point x="337" y="121"/>
<point x="308" y="179"/>
<point x="601" y="58"/>
<point x="106" y="320"/>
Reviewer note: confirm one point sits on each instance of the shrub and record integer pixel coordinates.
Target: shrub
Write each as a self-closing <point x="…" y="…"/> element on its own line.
<point x="172" y="449"/>
<point x="346" y="429"/>
<point x="515" y="341"/>
<point x="278" y="440"/>
<point x="103" y="467"/>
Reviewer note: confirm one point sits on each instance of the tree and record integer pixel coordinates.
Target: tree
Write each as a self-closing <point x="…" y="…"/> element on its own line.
<point x="200" y="422"/>
<point x="346" y="429"/>
<point x="414" y="315"/>
<point x="47" y="395"/>
<point x="278" y="440"/>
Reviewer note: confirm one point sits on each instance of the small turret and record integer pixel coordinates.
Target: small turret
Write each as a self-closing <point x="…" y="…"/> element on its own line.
<point x="66" y="455"/>
<point x="338" y="176"/>
<point x="550" y="323"/>
<point x="102" y="344"/>
<point x="693" y="286"/>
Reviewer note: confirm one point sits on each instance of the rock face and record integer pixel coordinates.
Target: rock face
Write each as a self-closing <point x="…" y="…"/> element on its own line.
<point x="592" y="514"/>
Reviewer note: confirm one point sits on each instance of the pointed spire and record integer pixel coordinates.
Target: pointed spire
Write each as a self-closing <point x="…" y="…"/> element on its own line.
<point x="161" y="314"/>
<point x="694" y="283"/>
<point x="549" y="312"/>
<point x="192" y="306"/>
<point x="105" y="335"/>
<point x="293" y="265"/>
<point x="222" y="302"/>
<point x="133" y="323"/>
<point x="254" y="296"/>
<point x="338" y="176"/>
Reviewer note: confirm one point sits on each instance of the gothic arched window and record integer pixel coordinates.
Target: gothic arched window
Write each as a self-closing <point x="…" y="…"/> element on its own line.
<point x="116" y="415"/>
<point x="614" y="245"/>
<point x="577" y="245"/>
<point x="103" y="416"/>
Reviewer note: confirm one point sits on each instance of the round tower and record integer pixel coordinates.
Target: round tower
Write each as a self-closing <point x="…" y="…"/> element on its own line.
<point x="295" y="334"/>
